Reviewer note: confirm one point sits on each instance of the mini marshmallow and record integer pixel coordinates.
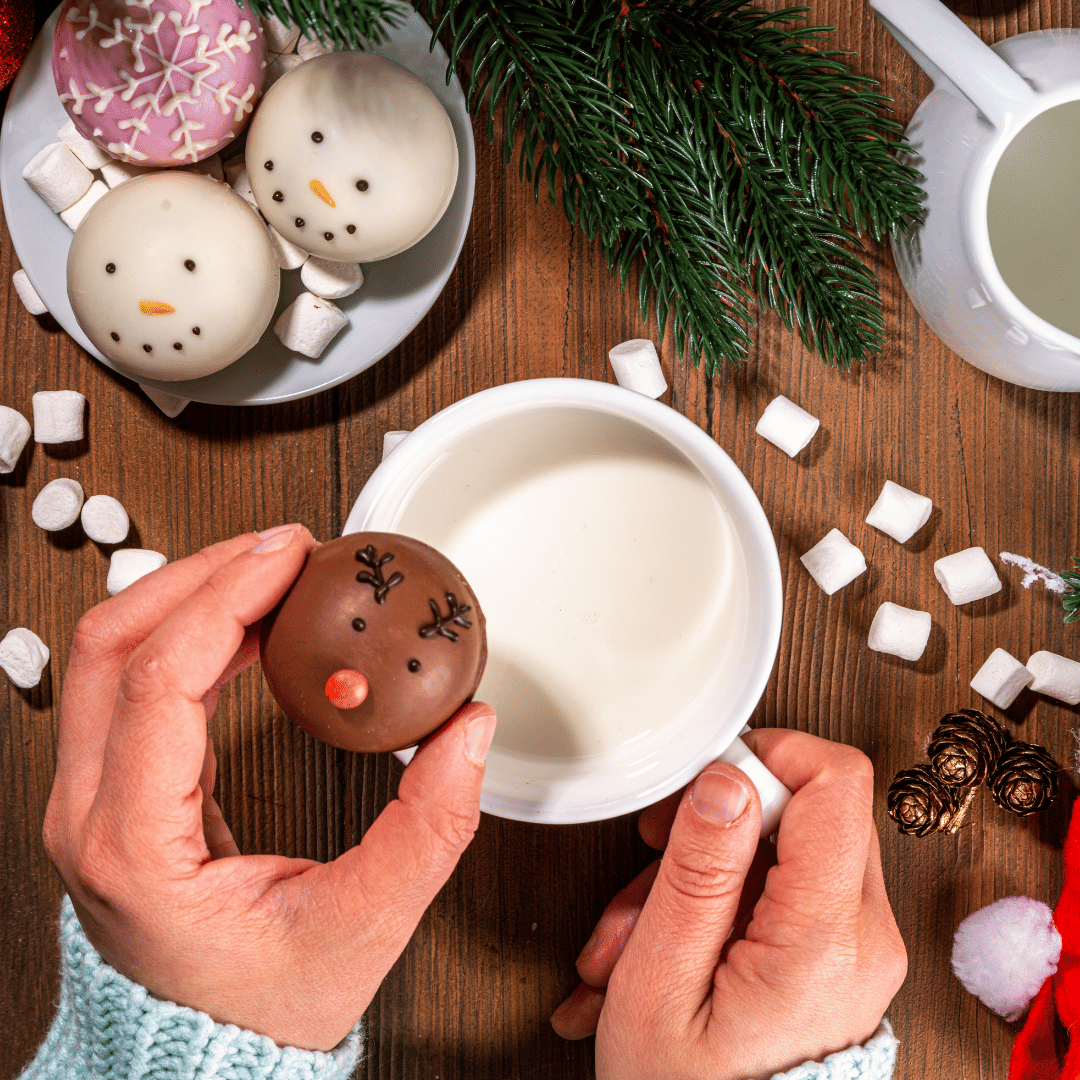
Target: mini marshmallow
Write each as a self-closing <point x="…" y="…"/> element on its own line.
<point x="279" y="37"/>
<point x="14" y="435"/>
<point x="331" y="280"/>
<point x="309" y="48"/>
<point x="309" y="324"/>
<point x="1001" y="678"/>
<point x="279" y="66"/>
<point x="24" y="656"/>
<point x="127" y="565"/>
<point x="58" y="416"/>
<point x="900" y="631"/>
<point x="89" y="153"/>
<point x="58" y="504"/>
<point x="834" y="562"/>
<point x="241" y="184"/>
<point x="637" y="367"/>
<point x="104" y="520"/>
<point x="967" y="575"/>
<point x="1056" y="676"/>
<point x="115" y="173"/>
<point x="785" y="425"/>
<point x="73" y="215"/>
<point x="28" y="294"/>
<point x="171" y="405"/>
<point x="391" y="440"/>
<point x="289" y="256"/>
<point x="58" y="176"/>
<point x="899" y="513"/>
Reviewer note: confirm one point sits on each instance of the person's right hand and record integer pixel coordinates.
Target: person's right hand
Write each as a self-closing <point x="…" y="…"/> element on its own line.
<point x="811" y="964"/>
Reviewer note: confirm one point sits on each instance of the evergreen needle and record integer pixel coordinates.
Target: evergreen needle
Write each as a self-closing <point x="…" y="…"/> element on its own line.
<point x="1071" y="600"/>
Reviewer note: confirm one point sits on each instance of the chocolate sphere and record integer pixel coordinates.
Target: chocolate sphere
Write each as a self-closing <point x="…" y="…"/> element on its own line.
<point x="378" y="643"/>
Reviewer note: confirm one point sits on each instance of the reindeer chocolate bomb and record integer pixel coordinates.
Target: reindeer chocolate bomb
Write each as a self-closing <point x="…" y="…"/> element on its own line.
<point x="378" y="643"/>
<point x="172" y="276"/>
<point x="351" y="157"/>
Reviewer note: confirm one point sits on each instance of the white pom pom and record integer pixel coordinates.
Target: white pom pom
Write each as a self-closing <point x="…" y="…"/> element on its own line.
<point x="1005" y="951"/>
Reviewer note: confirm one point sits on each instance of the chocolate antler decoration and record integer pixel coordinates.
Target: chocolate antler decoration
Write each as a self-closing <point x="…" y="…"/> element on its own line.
<point x="442" y="623"/>
<point x="369" y="557"/>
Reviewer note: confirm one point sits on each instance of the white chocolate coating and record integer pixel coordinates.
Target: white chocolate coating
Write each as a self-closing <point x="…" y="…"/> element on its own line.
<point x="339" y="121"/>
<point x="194" y="276"/>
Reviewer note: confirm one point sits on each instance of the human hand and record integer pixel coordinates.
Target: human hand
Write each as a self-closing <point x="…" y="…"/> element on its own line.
<point x="814" y="955"/>
<point x="290" y="948"/>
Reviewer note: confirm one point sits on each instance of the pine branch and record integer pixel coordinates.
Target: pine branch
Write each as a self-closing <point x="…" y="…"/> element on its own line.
<point x="1071" y="600"/>
<point x="349" y="24"/>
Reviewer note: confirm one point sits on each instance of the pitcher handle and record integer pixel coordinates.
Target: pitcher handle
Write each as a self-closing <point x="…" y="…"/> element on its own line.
<point x="774" y="796"/>
<point x="943" y="46"/>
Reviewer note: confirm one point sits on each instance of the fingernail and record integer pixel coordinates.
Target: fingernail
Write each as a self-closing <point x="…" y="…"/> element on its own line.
<point x="478" y="735"/>
<point x="586" y="952"/>
<point x="277" y="539"/>
<point x="267" y="533"/>
<point x="719" y="797"/>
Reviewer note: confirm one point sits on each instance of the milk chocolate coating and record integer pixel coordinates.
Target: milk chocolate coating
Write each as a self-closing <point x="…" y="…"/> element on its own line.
<point x="410" y="624"/>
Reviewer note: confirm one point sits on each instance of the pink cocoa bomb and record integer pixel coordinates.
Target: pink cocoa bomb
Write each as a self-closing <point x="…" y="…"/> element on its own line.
<point x="158" y="82"/>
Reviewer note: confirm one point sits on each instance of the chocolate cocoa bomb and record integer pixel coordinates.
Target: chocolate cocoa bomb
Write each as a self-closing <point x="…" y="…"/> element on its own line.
<point x="387" y="608"/>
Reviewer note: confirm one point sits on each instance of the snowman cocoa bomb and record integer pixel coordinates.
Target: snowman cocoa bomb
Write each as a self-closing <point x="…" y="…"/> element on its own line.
<point x="172" y="276"/>
<point x="378" y="643"/>
<point x="351" y="157"/>
<point x="158" y="82"/>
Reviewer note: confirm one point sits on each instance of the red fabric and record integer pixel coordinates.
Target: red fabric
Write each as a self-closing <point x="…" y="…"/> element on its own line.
<point x="16" y="34"/>
<point x="1045" y="1048"/>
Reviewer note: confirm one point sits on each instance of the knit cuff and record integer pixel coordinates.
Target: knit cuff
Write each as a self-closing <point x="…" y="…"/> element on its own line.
<point x="872" y="1061"/>
<point x="108" y="1025"/>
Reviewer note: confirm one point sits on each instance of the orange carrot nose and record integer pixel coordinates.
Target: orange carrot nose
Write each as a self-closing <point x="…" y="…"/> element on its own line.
<point x="155" y="307"/>
<point x="346" y="689"/>
<point x="320" y="190"/>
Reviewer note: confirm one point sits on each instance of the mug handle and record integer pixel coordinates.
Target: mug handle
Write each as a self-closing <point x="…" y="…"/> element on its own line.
<point x="774" y="795"/>
<point x="955" y="57"/>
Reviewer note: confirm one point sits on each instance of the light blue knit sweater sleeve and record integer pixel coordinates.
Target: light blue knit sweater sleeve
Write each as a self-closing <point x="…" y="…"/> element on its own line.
<point x="873" y="1060"/>
<point x="110" y="1028"/>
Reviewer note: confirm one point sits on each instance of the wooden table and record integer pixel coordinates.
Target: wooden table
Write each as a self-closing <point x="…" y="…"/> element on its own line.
<point x="529" y="298"/>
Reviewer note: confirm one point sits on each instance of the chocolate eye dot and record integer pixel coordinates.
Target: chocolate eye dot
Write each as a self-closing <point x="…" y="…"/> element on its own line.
<point x="414" y="665"/>
<point x="278" y="197"/>
<point x="196" y="331"/>
<point x="268" y="166"/>
<point x="316" y="136"/>
<point x="359" y="624"/>
<point x="361" y="185"/>
<point x="350" y="229"/>
<point x="110" y="268"/>
<point x="148" y="348"/>
<point x="177" y="345"/>
<point x="189" y="264"/>
<point x="299" y="222"/>
<point x="115" y="336"/>
<point x="328" y="236"/>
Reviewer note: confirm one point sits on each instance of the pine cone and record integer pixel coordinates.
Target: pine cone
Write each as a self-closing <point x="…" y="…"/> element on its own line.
<point x="920" y="803"/>
<point x="1023" y="780"/>
<point x="965" y="747"/>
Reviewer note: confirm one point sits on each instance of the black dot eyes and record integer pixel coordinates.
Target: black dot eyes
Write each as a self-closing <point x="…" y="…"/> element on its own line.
<point x="350" y="229"/>
<point x="316" y="136"/>
<point x="328" y="236"/>
<point x="278" y="197"/>
<point x="115" y="336"/>
<point x="414" y="665"/>
<point x="110" y="268"/>
<point x="196" y="331"/>
<point x="361" y="185"/>
<point x="299" y="222"/>
<point x="268" y="166"/>
<point x="189" y="264"/>
<point x="177" y="345"/>
<point x="148" y="348"/>
<point x="359" y="624"/>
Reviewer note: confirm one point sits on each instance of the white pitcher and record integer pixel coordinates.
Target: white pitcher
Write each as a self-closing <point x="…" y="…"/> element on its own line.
<point x="983" y="97"/>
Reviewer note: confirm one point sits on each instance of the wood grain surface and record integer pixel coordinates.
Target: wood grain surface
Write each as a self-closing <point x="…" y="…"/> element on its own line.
<point x="470" y="998"/>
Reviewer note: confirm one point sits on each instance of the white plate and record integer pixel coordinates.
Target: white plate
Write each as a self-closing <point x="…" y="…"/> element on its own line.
<point x="397" y="292"/>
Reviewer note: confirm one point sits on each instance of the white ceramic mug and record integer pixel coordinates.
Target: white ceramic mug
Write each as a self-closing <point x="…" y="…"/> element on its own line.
<point x="983" y="98"/>
<point x="617" y="677"/>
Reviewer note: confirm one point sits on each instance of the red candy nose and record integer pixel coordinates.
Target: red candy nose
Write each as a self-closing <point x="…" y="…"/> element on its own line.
<point x="346" y="689"/>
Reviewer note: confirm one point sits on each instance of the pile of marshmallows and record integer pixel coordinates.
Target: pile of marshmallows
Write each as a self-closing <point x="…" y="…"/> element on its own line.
<point x="59" y="418"/>
<point x="63" y="175"/>
<point x="965" y="576"/>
